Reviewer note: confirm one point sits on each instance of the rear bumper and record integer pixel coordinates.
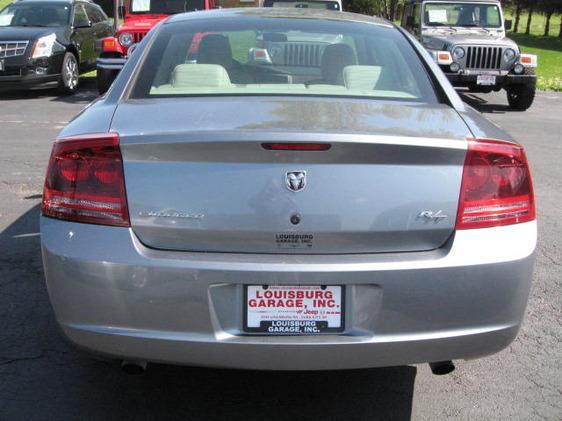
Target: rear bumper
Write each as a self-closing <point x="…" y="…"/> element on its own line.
<point x="114" y="296"/>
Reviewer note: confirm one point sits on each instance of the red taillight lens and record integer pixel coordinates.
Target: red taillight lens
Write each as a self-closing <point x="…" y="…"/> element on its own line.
<point x="496" y="186"/>
<point x="85" y="181"/>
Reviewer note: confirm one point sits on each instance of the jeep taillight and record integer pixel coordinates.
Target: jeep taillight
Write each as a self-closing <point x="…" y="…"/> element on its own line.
<point x="85" y="181"/>
<point x="496" y="186"/>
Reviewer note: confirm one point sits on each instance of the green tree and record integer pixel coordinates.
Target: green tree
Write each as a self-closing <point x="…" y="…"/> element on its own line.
<point x="366" y="7"/>
<point x="531" y="10"/>
<point x="391" y="9"/>
<point x="549" y="8"/>
<point x="388" y="9"/>
<point x="519" y="4"/>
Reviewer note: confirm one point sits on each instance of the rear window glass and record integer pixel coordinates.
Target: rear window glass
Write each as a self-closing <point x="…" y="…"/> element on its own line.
<point x="279" y="56"/>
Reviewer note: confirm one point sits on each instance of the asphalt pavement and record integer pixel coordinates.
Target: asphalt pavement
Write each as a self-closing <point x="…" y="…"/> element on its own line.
<point x="42" y="377"/>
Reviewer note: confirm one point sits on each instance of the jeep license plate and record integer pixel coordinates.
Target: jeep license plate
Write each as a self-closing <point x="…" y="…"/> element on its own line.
<point x="486" y="80"/>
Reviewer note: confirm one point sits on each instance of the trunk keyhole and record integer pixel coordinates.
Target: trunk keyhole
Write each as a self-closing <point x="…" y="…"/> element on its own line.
<point x="295" y="219"/>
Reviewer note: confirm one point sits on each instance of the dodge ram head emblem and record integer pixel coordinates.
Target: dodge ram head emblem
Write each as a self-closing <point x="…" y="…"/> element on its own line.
<point x="295" y="180"/>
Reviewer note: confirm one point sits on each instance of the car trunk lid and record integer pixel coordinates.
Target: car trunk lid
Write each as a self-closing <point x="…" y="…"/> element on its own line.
<point x="203" y="181"/>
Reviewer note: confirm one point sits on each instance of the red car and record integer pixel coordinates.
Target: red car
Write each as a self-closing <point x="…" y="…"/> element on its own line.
<point x="139" y="17"/>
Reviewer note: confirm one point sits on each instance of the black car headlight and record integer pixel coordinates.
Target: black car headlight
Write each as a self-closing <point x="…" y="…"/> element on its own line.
<point x="44" y="46"/>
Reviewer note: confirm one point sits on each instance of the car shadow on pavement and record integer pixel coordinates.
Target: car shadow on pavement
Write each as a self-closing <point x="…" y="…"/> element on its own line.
<point x="86" y="93"/>
<point x="43" y="377"/>
<point x="482" y="104"/>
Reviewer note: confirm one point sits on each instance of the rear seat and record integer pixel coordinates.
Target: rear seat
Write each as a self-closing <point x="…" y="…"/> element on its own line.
<point x="198" y="77"/>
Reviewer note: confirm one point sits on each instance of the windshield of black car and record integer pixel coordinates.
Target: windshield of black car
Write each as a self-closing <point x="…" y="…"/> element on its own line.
<point x="165" y="7"/>
<point x="254" y="55"/>
<point x="462" y="14"/>
<point x="328" y="5"/>
<point x="35" y="14"/>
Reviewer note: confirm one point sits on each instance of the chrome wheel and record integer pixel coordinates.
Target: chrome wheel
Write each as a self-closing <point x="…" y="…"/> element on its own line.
<point x="70" y="72"/>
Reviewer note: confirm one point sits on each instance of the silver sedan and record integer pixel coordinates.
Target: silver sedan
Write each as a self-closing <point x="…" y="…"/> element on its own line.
<point x="286" y="189"/>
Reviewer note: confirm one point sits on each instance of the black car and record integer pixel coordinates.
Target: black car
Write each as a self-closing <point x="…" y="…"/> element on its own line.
<point x="45" y="42"/>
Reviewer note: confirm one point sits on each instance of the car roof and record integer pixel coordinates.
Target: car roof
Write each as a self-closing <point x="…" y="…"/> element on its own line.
<point x="287" y="13"/>
<point x="454" y="1"/>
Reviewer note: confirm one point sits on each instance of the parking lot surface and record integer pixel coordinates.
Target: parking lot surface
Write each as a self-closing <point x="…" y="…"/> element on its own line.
<point x="41" y="377"/>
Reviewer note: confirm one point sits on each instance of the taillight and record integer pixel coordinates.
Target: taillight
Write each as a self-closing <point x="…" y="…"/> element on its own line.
<point x="496" y="186"/>
<point x="85" y="181"/>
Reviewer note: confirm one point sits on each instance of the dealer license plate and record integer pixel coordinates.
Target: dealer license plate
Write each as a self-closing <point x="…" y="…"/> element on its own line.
<point x="294" y="310"/>
<point x="486" y="80"/>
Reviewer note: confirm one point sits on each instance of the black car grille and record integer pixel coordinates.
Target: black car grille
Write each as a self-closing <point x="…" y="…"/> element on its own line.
<point x="303" y="54"/>
<point x="12" y="48"/>
<point x="484" y="58"/>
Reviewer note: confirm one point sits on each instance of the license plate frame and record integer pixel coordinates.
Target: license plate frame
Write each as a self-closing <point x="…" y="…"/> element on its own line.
<point x="320" y="325"/>
<point x="486" y="80"/>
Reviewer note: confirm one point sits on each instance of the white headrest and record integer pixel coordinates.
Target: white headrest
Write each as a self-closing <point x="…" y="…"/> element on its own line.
<point x="200" y="76"/>
<point x="361" y="77"/>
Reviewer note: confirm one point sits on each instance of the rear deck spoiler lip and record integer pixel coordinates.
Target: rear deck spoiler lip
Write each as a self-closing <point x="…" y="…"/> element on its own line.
<point x="259" y="136"/>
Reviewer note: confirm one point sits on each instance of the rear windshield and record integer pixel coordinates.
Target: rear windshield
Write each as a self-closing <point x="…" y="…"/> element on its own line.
<point x="280" y="56"/>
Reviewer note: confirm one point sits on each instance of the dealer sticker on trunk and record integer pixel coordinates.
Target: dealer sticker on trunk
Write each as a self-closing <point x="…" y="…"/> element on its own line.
<point x="296" y="310"/>
<point x="294" y="240"/>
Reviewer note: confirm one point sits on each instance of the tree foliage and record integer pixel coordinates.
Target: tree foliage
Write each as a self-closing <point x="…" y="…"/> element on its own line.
<point x="389" y="9"/>
<point x="549" y="8"/>
<point x="392" y="9"/>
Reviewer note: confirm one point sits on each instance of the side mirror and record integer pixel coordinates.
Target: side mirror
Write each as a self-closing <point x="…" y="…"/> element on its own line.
<point x="121" y="11"/>
<point x="83" y="24"/>
<point x="508" y="23"/>
<point x="410" y="21"/>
